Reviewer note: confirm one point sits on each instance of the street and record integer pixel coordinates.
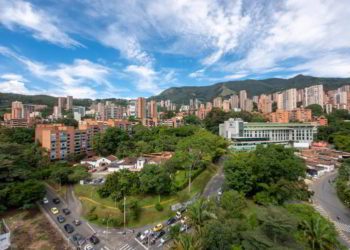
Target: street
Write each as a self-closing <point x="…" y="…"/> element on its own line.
<point x="329" y="205"/>
<point x="215" y="183"/>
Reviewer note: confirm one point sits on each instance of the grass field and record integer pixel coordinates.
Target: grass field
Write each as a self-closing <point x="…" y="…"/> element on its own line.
<point x="105" y="208"/>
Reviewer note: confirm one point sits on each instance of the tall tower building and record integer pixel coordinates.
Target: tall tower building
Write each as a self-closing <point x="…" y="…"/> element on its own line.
<point x="61" y="102"/>
<point x="153" y="109"/>
<point x="217" y="102"/>
<point x="314" y="95"/>
<point x="234" y="101"/>
<point x="242" y="98"/>
<point x="141" y="108"/>
<point x="69" y="104"/>
<point x="290" y="99"/>
<point x="17" y="110"/>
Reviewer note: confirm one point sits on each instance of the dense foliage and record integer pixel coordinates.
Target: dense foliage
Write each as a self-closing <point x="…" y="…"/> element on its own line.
<point x="316" y="109"/>
<point x="269" y="174"/>
<point x="342" y="182"/>
<point x="217" y="116"/>
<point x="337" y="131"/>
<point x="23" y="168"/>
<point x="252" y="212"/>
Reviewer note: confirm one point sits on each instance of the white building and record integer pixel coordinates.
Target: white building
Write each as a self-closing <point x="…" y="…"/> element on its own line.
<point x="314" y="95"/>
<point x="247" y="135"/>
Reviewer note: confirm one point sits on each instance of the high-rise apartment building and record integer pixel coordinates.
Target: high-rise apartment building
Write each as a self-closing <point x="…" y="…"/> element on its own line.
<point x="217" y="102"/>
<point x="69" y="103"/>
<point x="234" y="99"/>
<point x="131" y="109"/>
<point x="141" y="108"/>
<point x="248" y="105"/>
<point x="153" y="109"/>
<point x="265" y="104"/>
<point x="57" y="112"/>
<point x="226" y="105"/>
<point x="242" y="97"/>
<point x="61" y="102"/>
<point x="314" y="95"/>
<point x="17" y="110"/>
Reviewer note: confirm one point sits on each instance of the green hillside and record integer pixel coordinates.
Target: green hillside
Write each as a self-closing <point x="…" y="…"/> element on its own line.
<point x="181" y="95"/>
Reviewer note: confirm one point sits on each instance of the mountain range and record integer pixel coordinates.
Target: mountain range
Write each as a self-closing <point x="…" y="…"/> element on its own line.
<point x="182" y="95"/>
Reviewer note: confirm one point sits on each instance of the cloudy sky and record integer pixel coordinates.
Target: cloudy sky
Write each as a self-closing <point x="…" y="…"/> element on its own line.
<point x="117" y="48"/>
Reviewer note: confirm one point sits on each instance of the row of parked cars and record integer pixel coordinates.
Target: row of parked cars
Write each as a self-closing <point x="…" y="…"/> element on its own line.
<point x="77" y="238"/>
<point x="161" y="231"/>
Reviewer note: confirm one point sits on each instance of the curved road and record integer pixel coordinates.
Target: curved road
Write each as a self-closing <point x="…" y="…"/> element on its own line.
<point x="326" y="201"/>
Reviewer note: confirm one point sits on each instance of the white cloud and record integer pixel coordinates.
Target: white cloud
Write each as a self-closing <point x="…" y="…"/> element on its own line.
<point x="13" y="83"/>
<point x="146" y="78"/>
<point x="81" y="78"/>
<point x="23" y="14"/>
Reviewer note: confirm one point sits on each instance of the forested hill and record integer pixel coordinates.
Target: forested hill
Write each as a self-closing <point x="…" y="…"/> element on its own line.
<point x="7" y="98"/>
<point x="181" y="95"/>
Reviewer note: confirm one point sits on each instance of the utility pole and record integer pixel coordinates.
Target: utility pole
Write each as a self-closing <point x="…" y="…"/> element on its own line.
<point x="124" y="213"/>
<point x="189" y="180"/>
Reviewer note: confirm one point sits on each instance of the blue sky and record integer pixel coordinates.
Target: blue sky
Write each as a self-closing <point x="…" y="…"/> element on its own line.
<point x="133" y="48"/>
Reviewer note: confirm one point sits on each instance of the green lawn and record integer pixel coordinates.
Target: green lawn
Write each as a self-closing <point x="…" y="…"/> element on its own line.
<point x="149" y="215"/>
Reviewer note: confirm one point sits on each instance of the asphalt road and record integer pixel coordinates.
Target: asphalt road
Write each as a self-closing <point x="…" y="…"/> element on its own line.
<point x="326" y="199"/>
<point x="215" y="183"/>
<point x="82" y="229"/>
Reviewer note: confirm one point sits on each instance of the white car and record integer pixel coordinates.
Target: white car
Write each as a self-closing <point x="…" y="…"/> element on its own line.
<point x="88" y="247"/>
<point x="145" y="234"/>
<point x="45" y="200"/>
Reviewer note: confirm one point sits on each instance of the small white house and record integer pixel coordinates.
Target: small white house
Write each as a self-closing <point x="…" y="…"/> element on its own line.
<point x="96" y="162"/>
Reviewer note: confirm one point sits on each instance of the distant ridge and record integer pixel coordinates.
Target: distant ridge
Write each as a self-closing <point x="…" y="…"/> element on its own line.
<point x="181" y="95"/>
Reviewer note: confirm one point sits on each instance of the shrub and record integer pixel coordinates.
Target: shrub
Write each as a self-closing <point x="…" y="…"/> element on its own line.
<point x="159" y="207"/>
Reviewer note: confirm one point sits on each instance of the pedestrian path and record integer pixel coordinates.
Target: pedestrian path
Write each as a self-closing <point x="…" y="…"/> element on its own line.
<point x="341" y="228"/>
<point x="127" y="247"/>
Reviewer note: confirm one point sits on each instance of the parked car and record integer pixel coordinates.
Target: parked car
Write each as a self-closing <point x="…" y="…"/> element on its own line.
<point x="61" y="219"/>
<point x="79" y="239"/>
<point x="54" y="210"/>
<point x="56" y="200"/>
<point x="66" y="211"/>
<point x="77" y="222"/>
<point x="159" y="234"/>
<point x="171" y="221"/>
<point x="45" y="200"/>
<point x="178" y="215"/>
<point x="144" y="235"/>
<point x="94" y="240"/>
<point x="69" y="228"/>
<point x="184" y="220"/>
<point x="158" y="227"/>
<point x="182" y="209"/>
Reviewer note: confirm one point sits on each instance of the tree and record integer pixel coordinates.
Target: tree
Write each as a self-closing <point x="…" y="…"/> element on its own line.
<point x="25" y="194"/>
<point x="192" y="120"/>
<point x="187" y="242"/>
<point x="155" y="180"/>
<point x="107" y="142"/>
<point x="233" y="201"/>
<point x="316" y="109"/>
<point x="276" y="225"/>
<point x="319" y="234"/>
<point x="342" y="142"/>
<point x="198" y="213"/>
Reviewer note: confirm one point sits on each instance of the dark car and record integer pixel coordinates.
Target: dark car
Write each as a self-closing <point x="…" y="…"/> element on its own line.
<point x="182" y="209"/>
<point x="171" y="221"/>
<point x="94" y="240"/>
<point x="69" y="228"/>
<point x="77" y="222"/>
<point x="61" y="219"/>
<point x="159" y="234"/>
<point x="66" y="211"/>
<point x="56" y="200"/>
<point x="79" y="239"/>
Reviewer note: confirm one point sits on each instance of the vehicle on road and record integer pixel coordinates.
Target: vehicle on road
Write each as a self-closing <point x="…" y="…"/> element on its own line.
<point x="61" y="219"/>
<point x="45" y="200"/>
<point x="88" y="247"/>
<point x="94" y="240"/>
<point x="76" y="222"/>
<point x="144" y="235"/>
<point x="184" y="228"/>
<point x="178" y="215"/>
<point x="159" y="234"/>
<point x="54" y="210"/>
<point x="171" y="221"/>
<point x="79" y="239"/>
<point x="69" y="228"/>
<point x="220" y="192"/>
<point x="66" y="211"/>
<point x="56" y="200"/>
<point x="184" y="220"/>
<point x="158" y="227"/>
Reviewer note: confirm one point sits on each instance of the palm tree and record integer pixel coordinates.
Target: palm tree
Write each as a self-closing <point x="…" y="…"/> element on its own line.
<point x="319" y="233"/>
<point x="199" y="212"/>
<point x="187" y="242"/>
